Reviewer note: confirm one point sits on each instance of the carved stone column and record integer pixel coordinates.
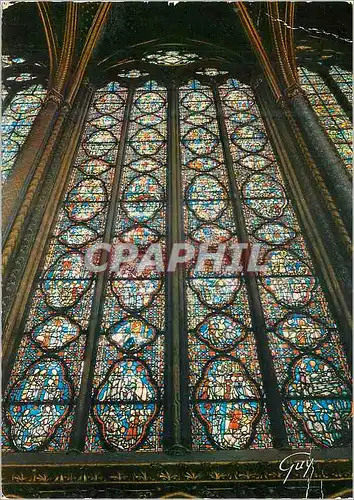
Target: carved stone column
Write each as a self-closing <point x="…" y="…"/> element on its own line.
<point x="328" y="160"/>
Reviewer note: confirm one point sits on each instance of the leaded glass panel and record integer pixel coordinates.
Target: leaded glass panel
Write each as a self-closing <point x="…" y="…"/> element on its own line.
<point x="308" y="359"/>
<point x="211" y="72"/>
<point x="344" y="80"/>
<point x="127" y="411"/>
<point x="17" y="121"/>
<point x="42" y="393"/>
<point x="227" y="398"/>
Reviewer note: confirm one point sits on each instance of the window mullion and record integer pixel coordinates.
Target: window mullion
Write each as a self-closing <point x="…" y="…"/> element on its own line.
<point x="176" y="381"/>
<point x="273" y="397"/>
<point x="85" y="394"/>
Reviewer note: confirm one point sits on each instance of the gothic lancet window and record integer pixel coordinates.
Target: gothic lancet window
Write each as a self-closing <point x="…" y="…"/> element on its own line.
<point x="127" y="398"/>
<point x="93" y="366"/>
<point x="328" y="110"/>
<point x="344" y="80"/>
<point x="221" y="342"/>
<point x="45" y="380"/>
<point x="20" y="112"/>
<point x="302" y="335"/>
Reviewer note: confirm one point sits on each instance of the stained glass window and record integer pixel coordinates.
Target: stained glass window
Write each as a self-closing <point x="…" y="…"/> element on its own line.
<point x="132" y="73"/>
<point x="344" y="80"/>
<point x="329" y="112"/>
<point x="5" y="63"/>
<point x="114" y="327"/>
<point x="303" y="338"/>
<point x="16" y="123"/>
<point x="4" y="92"/>
<point x="41" y="398"/>
<point x="22" y="77"/>
<point x="227" y="398"/>
<point x="20" y="113"/>
<point x="211" y="72"/>
<point x="127" y="411"/>
<point x="171" y="58"/>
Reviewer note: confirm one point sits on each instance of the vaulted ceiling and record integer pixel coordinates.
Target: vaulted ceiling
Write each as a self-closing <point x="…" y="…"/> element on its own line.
<point x="213" y="27"/>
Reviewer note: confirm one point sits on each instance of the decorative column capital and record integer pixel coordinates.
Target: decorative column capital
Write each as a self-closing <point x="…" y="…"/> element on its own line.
<point x="55" y="96"/>
<point x="282" y="102"/>
<point x="294" y="90"/>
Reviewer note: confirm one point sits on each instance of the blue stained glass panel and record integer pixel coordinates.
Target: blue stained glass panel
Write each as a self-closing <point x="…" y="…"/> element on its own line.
<point x="127" y="411"/>
<point x="302" y="335"/>
<point x="41" y="397"/>
<point x="16" y="123"/>
<point x="227" y="402"/>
